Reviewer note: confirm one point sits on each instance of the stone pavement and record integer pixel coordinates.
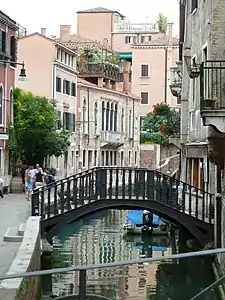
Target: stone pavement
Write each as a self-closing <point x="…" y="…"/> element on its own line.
<point x="14" y="210"/>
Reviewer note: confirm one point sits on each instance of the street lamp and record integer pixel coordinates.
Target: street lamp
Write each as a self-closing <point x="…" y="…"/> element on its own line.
<point x="22" y="75"/>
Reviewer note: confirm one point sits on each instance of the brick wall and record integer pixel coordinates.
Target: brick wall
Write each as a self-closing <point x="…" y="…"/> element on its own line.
<point x="28" y="258"/>
<point x="153" y="156"/>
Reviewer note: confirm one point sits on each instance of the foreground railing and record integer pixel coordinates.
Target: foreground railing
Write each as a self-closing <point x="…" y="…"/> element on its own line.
<point x="82" y="295"/>
<point x="121" y="183"/>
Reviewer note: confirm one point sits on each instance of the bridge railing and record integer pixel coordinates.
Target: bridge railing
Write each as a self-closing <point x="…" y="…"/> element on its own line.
<point x="109" y="270"/>
<point x="118" y="183"/>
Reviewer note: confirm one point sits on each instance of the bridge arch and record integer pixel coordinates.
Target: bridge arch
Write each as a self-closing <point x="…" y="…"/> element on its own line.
<point x="198" y="229"/>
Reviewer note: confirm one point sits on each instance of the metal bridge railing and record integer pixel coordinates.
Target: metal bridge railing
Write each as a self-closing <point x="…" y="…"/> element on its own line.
<point x="82" y="295"/>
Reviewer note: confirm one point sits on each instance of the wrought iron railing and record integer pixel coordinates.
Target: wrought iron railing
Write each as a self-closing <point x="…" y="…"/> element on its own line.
<point x="115" y="183"/>
<point x="82" y="292"/>
<point x="212" y="85"/>
<point x="95" y="69"/>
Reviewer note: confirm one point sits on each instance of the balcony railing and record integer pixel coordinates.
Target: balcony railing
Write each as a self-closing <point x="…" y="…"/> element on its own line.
<point x="104" y="70"/>
<point x="136" y="27"/>
<point x="212" y="85"/>
<point x="113" y="137"/>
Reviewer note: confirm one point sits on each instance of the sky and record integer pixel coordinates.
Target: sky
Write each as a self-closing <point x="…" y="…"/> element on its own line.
<point x="51" y="14"/>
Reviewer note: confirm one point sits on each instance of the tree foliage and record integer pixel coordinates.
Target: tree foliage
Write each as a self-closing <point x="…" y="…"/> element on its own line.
<point x="160" y="124"/>
<point x="162" y="22"/>
<point x="33" y="135"/>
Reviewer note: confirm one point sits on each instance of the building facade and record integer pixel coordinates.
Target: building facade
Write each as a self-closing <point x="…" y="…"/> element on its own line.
<point x="202" y="70"/>
<point x="107" y="127"/>
<point x="54" y="76"/>
<point x="8" y="52"/>
<point x="150" y="53"/>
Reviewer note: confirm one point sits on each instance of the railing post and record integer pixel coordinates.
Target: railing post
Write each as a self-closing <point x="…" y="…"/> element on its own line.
<point x="35" y="204"/>
<point x="150" y="185"/>
<point x="82" y="285"/>
<point x="101" y="183"/>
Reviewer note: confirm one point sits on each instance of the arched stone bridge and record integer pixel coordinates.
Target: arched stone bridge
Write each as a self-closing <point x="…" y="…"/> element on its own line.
<point x="100" y="188"/>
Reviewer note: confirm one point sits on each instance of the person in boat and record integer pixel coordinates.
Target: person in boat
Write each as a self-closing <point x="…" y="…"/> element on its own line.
<point x="147" y="218"/>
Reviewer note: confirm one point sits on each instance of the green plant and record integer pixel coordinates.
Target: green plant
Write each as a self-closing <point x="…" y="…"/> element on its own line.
<point x="33" y="136"/>
<point x="162" y="22"/>
<point x="160" y="124"/>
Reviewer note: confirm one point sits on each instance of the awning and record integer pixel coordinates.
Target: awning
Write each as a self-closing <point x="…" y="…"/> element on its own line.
<point x="125" y="55"/>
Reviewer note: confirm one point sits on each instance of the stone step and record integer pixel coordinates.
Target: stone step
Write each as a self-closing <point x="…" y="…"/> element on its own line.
<point x="11" y="235"/>
<point x="22" y="229"/>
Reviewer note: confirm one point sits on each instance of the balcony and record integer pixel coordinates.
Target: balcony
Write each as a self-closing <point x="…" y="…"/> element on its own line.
<point x="111" y="139"/>
<point x="136" y="27"/>
<point x="212" y="94"/>
<point x="104" y="70"/>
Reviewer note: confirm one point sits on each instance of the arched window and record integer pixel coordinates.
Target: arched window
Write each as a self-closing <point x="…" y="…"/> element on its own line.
<point x="111" y="116"/>
<point x="130" y="124"/>
<point x="107" y="116"/>
<point x="103" y="115"/>
<point x="84" y="117"/>
<point x="96" y="116"/>
<point x="11" y="106"/>
<point x="115" y="117"/>
<point x="1" y="104"/>
<point x="122" y="120"/>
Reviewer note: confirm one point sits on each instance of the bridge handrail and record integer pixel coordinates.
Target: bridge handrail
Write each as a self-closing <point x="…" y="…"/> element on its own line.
<point x="88" y="171"/>
<point x="114" y="264"/>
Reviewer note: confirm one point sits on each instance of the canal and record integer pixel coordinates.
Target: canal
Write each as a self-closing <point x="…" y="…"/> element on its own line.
<point x="100" y="239"/>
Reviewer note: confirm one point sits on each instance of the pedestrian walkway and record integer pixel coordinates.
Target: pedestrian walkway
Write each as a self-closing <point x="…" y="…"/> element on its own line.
<point x="14" y="211"/>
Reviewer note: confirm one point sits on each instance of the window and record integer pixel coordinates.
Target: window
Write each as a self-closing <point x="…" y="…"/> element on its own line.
<point x="103" y="115"/>
<point x="115" y="117"/>
<point x="89" y="159"/>
<point x="128" y="39"/>
<point x="95" y="158"/>
<point x="58" y="84"/>
<point x="11" y="106"/>
<point x="72" y="158"/>
<point x="193" y="83"/>
<point x="122" y="120"/>
<point x="122" y="159"/>
<point x="107" y="116"/>
<point x="96" y="117"/>
<point x="144" y="97"/>
<point x="111" y="117"/>
<point x="129" y="158"/>
<point x="144" y="71"/>
<point x="135" y="157"/>
<point x="115" y="158"/>
<point x="3" y="41"/>
<point x="58" y="54"/>
<point x="59" y="120"/>
<point x="85" y="117"/>
<point x="66" y="58"/>
<point x="205" y="54"/>
<point x="66" y="87"/>
<point x="146" y="38"/>
<point x="194" y="5"/>
<point x="69" y="121"/>
<point x="13" y="51"/>
<point x="179" y="100"/>
<point x="84" y="158"/>
<point x="73" y="89"/>
<point x="1" y="104"/>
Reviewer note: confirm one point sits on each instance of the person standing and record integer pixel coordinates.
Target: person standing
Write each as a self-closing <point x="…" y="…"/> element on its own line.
<point x="33" y="175"/>
<point x="39" y="177"/>
<point x="28" y="183"/>
<point x="1" y="187"/>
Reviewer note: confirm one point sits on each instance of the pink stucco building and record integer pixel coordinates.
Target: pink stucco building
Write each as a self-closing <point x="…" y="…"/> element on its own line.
<point x="151" y="53"/>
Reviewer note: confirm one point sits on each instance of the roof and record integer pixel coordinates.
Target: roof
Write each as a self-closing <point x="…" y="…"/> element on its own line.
<point x="87" y="83"/>
<point x="162" y="40"/>
<point x="99" y="10"/>
<point x="54" y="41"/>
<point x="10" y="21"/>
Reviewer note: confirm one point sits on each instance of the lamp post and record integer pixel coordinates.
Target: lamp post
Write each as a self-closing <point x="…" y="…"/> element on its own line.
<point x="22" y="75"/>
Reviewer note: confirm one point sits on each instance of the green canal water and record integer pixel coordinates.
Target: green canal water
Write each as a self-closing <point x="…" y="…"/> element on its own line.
<point x="100" y="239"/>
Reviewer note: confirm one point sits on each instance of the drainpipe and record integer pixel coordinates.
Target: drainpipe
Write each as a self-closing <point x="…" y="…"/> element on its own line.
<point x="166" y="76"/>
<point x="133" y="125"/>
<point x="88" y="123"/>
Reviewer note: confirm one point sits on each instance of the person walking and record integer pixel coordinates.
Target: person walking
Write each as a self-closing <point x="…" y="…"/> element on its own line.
<point x="28" y="183"/>
<point x="39" y="177"/>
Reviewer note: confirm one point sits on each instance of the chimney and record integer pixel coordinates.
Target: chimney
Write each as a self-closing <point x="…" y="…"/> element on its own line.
<point x="64" y="33"/>
<point x="126" y="71"/>
<point x="43" y="31"/>
<point x="170" y="33"/>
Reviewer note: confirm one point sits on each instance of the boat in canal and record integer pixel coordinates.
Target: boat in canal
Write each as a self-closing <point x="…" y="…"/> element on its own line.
<point x="142" y="221"/>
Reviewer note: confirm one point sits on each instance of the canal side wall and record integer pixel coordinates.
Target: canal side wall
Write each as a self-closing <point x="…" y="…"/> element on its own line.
<point x="28" y="259"/>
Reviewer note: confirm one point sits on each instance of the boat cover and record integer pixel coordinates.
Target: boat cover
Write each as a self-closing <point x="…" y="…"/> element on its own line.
<point x="136" y="217"/>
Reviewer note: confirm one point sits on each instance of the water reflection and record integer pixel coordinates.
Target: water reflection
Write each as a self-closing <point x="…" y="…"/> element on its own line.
<point x="100" y="239"/>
